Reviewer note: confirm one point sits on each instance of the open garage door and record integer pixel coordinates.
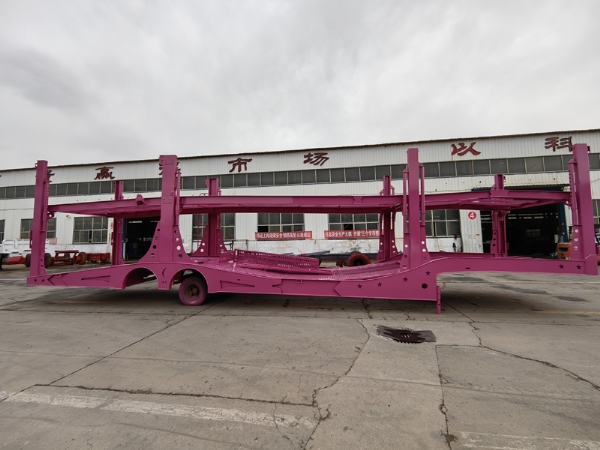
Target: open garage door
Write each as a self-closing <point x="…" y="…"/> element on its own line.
<point x="530" y="232"/>
<point x="138" y="235"/>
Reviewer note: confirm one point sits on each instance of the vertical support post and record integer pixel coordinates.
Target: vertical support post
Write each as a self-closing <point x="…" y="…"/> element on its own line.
<point x="40" y="220"/>
<point x="387" y="233"/>
<point x="413" y="210"/>
<point x="499" y="245"/>
<point x="583" y="245"/>
<point x="212" y="243"/>
<point x="167" y="244"/>
<point x="117" y="234"/>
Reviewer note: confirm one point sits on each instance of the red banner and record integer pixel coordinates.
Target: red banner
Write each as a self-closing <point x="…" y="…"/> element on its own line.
<point x="351" y="234"/>
<point x="282" y="235"/>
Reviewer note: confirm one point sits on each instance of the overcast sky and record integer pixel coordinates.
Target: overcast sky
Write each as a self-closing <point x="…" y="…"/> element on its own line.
<point x="93" y="81"/>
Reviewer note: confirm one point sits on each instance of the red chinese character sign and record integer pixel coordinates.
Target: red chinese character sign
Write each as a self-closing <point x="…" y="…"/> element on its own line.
<point x="351" y="234"/>
<point x="316" y="159"/>
<point x="472" y="215"/>
<point x="462" y="149"/>
<point x="283" y="235"/>
<point x="104" y="173"/>
<point x="239" y="163"/>
<point x="556" y="142"/>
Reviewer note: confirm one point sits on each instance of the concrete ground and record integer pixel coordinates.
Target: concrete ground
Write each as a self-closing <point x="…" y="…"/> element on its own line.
<point x="515" y="365"/>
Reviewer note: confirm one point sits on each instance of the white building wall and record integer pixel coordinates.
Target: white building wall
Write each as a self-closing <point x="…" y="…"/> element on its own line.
<point x="13" y="210"/>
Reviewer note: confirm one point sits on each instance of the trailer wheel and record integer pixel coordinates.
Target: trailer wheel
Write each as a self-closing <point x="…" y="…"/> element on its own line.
<point x="358" y="259"/>
<point x="28" y="260"/>
<point x="81" y="258"/>
<point x="47" y="260"/>
<point x="192" y="291"/>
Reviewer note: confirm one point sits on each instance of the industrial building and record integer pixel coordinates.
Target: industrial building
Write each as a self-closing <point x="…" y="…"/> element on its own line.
<point x="530" y="161"/>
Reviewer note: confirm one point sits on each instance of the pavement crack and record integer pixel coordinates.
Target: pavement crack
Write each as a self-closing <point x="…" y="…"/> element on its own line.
<point x="367" y="308"/>
<point x="324" y="416"/>
<point x="123" y="348"/>
<point x="285" y="436"/>
<point x="189" y="435"/>
<point x="474" y="329"/>
<point x="545" y="363"/>
<point x="171" y="394"/>
<point x="255" y="377"/>
<point x="458" y="311"/>
<point x="442" y="407"/>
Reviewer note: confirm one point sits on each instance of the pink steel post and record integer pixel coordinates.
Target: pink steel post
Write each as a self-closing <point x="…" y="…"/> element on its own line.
<point x="212" y="243"/>
<point x="387" y="232"/>
<point x="117" y="234"/>
<point x="499" y="245"/>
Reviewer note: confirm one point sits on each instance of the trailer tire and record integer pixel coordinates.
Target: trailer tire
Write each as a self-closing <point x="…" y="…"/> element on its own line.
<point x="47" y="260"/>
<point x="358" y="259"/>
<point x="28" y="260"/>
<point x="81" y="258"/>
<point x="192" y="291"/>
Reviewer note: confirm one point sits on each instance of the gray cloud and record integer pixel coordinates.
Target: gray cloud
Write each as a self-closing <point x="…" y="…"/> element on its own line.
<point x="42" y="80"/>
<point x="133" y="80"/>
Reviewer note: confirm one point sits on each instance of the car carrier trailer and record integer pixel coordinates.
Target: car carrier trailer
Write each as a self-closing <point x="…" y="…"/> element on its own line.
<point x="409" y="273"/>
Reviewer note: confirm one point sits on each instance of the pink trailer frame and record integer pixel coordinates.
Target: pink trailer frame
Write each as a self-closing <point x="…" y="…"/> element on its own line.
<point x="409" y="274"/>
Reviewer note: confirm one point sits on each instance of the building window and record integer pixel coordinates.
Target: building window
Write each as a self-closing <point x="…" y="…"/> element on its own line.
<point x="274" y="222"/>
<point x="199" y="221"/>
<point x="353" y="221"/>
<point x="90" y="230"/>
<point x="1" y="230"/>
<point x="26" y="228"/>
<point x="596" y="206"/>
<point x="442" y="223"/>
<point x="51" y="228"/>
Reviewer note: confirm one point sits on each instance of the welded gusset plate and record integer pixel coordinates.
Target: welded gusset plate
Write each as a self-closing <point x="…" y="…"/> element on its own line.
<point x="405" y="335"/>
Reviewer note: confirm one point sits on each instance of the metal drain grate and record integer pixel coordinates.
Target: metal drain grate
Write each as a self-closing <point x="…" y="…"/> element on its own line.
<point x="406" y="336"/>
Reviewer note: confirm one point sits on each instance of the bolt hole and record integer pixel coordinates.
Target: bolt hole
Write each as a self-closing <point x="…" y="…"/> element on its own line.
<point x="424" y="285"/>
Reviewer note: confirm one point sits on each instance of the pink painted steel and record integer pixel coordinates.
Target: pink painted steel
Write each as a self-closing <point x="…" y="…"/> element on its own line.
<point x="499" y="245"/>
<point x="583" y="246"/>
<point x="387" y="219"/>
<point x="268" y="260"/>
<point x="407" y="276"/>
<point x="212" y="243"/>
<point x="415" y="250"/>
<point x="117" y="234"/>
